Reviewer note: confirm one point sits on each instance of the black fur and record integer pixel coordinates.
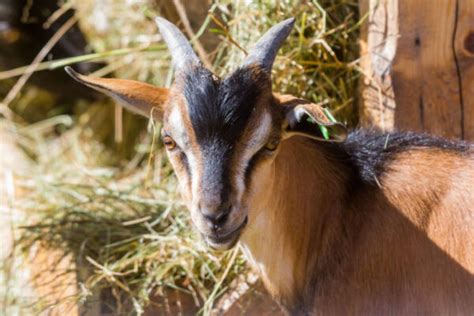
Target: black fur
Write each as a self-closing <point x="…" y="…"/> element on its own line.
<point x="219" y="111"/>
<point x="370" y="152"/>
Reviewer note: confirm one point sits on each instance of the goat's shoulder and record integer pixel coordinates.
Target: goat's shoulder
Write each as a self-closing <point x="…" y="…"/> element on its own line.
<point x="377" y="155"/>
<point x="418" y="174"/>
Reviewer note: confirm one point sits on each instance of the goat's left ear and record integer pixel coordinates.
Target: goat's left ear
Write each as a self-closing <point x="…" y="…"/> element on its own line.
<point x="310" y="120"/>
<point x="138" y="97"/>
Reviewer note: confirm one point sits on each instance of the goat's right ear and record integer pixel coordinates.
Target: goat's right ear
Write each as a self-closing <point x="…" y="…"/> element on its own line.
<point x="138" y="97"/>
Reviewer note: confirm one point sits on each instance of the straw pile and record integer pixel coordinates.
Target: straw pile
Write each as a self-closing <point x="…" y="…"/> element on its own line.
<point x="131" y="238"/>
<point x="318" y="61"/>
<point x="120" y="221"/>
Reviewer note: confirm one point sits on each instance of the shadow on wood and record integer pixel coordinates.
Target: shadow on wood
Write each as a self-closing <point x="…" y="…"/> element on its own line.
<point x="418" y="63"/>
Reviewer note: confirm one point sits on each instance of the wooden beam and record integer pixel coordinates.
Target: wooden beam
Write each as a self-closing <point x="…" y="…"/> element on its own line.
<point x="426" y="82"/>
<point x="378" y="47"/>
<point x="464" y="49"/>
<point x="426" y="66"/>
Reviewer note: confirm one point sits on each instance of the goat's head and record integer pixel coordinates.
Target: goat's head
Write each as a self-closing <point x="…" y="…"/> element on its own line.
<point x="221" y="134"/>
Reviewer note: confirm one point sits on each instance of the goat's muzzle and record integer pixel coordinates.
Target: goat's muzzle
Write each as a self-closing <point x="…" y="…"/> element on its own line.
<point x="224" y="240"/>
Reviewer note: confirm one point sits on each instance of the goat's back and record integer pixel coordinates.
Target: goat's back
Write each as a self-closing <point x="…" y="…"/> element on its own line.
<point x="414" y="251"/>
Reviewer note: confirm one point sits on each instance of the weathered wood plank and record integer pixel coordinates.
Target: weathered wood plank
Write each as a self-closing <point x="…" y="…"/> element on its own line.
<point x="425" y="75"/>
<point x="464" y="48"/>
<point x="378" y="46"/>
<point x="414" y="40"/>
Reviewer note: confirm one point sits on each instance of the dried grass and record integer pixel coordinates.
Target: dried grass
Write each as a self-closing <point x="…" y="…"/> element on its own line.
<point x="317" y="60"/>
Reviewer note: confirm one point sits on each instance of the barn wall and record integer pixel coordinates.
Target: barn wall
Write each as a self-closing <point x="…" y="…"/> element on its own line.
<point x="418" y="65"/>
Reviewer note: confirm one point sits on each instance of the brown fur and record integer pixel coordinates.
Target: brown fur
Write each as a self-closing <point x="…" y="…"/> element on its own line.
<point x="179" y="164"/>
<point x="407" y="248"/>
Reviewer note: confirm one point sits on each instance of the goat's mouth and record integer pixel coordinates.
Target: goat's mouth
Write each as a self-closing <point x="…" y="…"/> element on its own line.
<point x="225" y="241"/>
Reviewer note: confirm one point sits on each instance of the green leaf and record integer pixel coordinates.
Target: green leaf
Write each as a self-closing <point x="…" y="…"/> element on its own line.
<point x="324" y="131"/>
<point x="329" y="115"/>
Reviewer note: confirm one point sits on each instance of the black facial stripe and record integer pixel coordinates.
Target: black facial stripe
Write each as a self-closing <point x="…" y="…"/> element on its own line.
<point x="216" y="172"/>
<point x="221" y="109"/>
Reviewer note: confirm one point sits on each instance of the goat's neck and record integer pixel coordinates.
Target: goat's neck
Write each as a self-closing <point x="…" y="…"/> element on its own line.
<point x="295" y="219"/>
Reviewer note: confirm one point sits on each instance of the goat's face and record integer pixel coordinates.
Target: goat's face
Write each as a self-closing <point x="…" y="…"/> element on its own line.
<point x="216" y="132"/>
<point x="219" y="133"/>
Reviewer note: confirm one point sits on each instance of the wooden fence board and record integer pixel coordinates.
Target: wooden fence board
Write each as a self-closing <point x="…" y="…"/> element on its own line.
<point x="431" y="70"/>
<point x="378" y="46"/>
<point x="464" y="48"/>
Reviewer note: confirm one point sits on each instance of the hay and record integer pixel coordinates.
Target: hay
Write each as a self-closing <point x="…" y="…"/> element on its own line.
<point x="134" y="240"/>
<point x="124" y="225"/>
<point x="317" y="60"/>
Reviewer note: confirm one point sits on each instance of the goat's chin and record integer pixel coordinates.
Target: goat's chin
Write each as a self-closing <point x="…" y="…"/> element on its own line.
<point x="221" y="246"/>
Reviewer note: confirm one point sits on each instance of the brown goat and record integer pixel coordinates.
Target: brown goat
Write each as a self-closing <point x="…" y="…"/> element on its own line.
<point x="336" y="224"/>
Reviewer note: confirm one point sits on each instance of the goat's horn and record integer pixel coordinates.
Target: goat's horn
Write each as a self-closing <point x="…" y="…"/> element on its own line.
<point x="182" y="54"/>
<point x="266" y="49"/>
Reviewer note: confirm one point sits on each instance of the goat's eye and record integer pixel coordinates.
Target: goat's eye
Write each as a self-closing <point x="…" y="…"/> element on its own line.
<point x="169" y="142"/>
<point x="272" y="144"/>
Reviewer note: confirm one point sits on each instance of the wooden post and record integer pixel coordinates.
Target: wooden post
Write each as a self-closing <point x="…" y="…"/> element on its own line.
<point x="378" y="47"/>
<point x="464" y="48"/>
<point x="418" y="65"/>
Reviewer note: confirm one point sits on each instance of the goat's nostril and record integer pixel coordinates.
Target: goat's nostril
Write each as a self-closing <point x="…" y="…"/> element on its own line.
<point x="217" y="218"/>
<point x="222" y="218"/>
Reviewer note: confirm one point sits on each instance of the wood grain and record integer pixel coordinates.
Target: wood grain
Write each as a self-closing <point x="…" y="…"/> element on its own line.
<point x="464" y="48"/>
<point x="378" y="45"/>
<point x="426" y="83"/>
<point x="427" y="53"/>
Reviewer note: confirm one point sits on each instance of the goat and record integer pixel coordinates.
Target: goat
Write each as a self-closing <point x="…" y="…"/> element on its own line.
<point x="345" y="223"/>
